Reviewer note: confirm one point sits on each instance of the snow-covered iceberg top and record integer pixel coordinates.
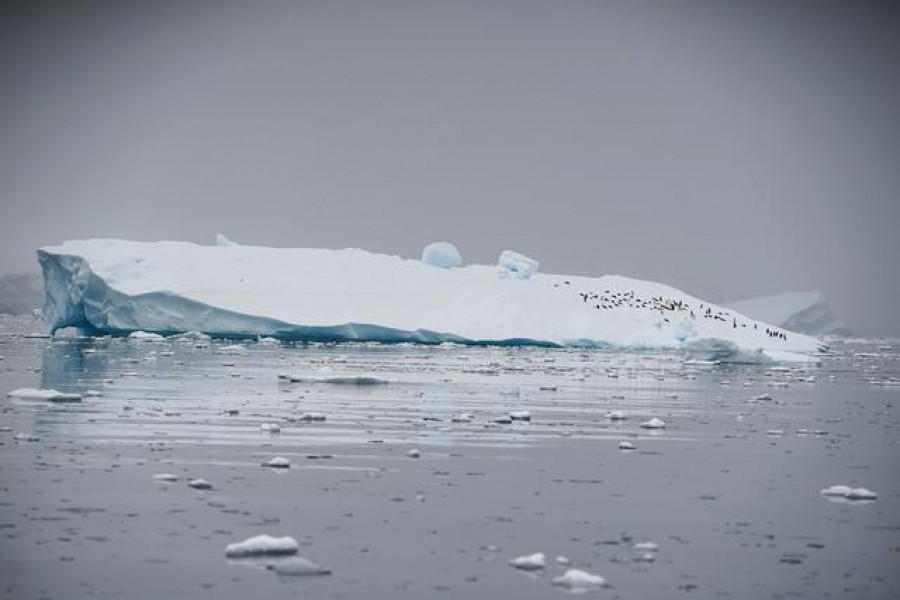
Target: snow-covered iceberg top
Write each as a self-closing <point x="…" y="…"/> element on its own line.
<point x="116" y="286"/>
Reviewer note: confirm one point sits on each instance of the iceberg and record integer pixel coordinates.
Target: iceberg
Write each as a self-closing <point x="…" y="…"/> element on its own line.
<point x="120" y="287"/>
<point x="803" y="312"/>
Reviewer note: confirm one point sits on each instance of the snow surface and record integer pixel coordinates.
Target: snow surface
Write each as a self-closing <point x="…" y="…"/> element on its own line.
<point x="443" y="255"/>
<point x="803" y="312"/>
<point x="116" y="286"/>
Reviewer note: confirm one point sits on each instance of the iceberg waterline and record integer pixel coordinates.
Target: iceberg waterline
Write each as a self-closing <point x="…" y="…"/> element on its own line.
<point x="118" y="287"/>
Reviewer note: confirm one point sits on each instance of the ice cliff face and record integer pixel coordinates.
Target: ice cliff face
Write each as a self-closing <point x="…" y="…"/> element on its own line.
<point x="803" y="312"/>
<point x="115" y="286"/>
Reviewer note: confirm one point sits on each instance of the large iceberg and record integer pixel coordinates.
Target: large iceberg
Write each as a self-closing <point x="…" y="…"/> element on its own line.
<point x="116" y="286"/>
<point x="803" y="312"/>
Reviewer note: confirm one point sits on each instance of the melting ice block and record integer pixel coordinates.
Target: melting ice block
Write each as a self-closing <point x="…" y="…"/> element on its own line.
<point x="164" y="288"/>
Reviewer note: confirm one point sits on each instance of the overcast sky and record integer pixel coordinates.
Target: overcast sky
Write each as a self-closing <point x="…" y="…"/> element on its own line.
<point x="731" y="149"/>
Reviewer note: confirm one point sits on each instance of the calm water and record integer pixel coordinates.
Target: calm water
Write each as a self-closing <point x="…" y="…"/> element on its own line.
<point x="729" y="490"/>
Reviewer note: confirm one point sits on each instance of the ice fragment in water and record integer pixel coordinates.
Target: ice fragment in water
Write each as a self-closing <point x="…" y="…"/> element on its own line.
<point x="577" y="581"/>
<point x="200" y="484"/>
<point x="297" y="566"/>
<point x="654" y="423"/>
<point x="262" y="545"/>
<point x="530" y="562"/>
<point x="279" y="462"/>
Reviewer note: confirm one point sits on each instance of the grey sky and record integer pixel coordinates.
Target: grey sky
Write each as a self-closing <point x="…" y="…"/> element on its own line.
<point x="731" y="149"/>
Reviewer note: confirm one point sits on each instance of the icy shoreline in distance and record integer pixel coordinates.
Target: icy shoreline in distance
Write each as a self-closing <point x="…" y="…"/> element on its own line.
<point x="118" y="287"/>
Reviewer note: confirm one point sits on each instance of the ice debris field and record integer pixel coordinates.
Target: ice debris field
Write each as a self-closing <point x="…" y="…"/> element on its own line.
<point x="165" y="288"/>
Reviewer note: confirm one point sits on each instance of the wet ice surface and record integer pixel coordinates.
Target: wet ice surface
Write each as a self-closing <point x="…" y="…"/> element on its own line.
<point x="95" y="499"/>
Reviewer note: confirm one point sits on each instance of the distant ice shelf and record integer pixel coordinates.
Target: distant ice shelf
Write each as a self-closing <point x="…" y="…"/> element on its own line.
<point x="804" y="312"/>
<point x="119" y="287"/>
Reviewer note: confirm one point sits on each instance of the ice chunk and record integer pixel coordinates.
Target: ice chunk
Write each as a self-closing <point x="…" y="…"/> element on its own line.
<point x="145" y="336"/>
<point x="48" y="395"/>
<point x="577" y="581"/>
<point x="297" y="566"/>
<point x="520" y="415"/>
<point x="200" y="484"/>
<point x="654" y="423"/>
<point x="165" y="477"/>
<point x="262" y="545"/>
<point x="530" y="562"/>
<point x="517" y="265"/>
<point x="414" y="453"/>
<point x="616" y="415"/>
<point x="647" y="546"/>
<point x="338" y="379"/>
<point x="270" y="428"/>
<point x="279" y="462"/>
<point x="836" y="490"/>
<point x="861" y="494"/>
<point x="441" y="254"/>
<point x="626" y="446"/>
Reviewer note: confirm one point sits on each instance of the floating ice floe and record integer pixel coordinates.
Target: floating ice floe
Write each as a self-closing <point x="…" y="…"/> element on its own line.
<point x="654" y="423"/>
<point x="200" y="484"/>
<point x="145" y="336"/>
<point x="270" y="428"/>
<point x="520" y="415"/>
<point x="297" y="566"/>
<point x="578" y="581"/>
<point x="278" y="462"/>
<point x="233" y="350"/>
<point x="462" y="418"/>
<point x="646" y="546"/>
<point x="48" y="395"/>
<point x="616" y="415"/>
<point x="627" y="446"/>
<point x="414" y="453"/>
<point x="848" y="493"/>
<point x="563" y="560"/>
<point x="530" y="562"/>
<point x="262" y="545"/>
<point x="165" y="477"/>
<point x="337" y="379"/>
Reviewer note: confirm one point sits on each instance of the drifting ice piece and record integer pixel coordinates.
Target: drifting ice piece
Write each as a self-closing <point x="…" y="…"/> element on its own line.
<point x="517" y="265"/>
<point x="441" y="254"/>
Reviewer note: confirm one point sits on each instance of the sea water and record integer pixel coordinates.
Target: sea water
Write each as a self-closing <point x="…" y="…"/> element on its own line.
<point x="446" y="465"/>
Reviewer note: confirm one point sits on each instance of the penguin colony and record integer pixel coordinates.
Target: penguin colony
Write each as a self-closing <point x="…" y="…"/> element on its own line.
<point x="610" y="300"/>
